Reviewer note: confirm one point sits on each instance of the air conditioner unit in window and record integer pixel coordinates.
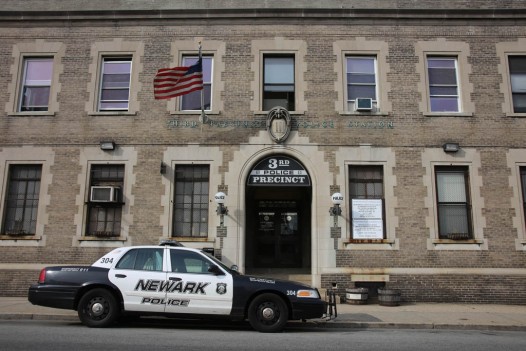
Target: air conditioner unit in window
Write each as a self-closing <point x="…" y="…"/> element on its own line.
<point x="104" y="194"/>
<point x="363" y="104"/>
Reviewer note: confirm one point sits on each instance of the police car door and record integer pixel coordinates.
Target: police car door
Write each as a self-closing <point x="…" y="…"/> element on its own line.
<point x="197" y="290"/>
<point x="140" y="277"/>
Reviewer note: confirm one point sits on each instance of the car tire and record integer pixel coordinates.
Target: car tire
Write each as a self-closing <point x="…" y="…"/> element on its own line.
<point x="98" y="308"/>
<point x="268" y="313"/>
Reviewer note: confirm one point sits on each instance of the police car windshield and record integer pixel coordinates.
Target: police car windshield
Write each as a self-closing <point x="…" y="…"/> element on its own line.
<point x="220" y="264"/>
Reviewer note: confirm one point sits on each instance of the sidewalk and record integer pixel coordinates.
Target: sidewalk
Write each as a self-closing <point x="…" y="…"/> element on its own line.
<point x="432" y="316"/>
<point x="408" y="316"/>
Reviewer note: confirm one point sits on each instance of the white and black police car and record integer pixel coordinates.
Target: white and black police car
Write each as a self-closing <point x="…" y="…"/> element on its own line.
<point x="172" y="280"/>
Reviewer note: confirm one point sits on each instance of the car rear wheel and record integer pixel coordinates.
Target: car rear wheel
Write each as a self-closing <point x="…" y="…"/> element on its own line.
<point x="98" y="308"/>
<point x="268" y="313"/>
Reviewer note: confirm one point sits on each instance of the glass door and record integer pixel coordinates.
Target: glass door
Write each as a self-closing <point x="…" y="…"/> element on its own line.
<point x="278" y="237"/>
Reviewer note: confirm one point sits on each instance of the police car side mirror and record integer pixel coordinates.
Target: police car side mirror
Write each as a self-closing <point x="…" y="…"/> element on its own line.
<point x="215" y="270"/>
<point x="235" y="268"/>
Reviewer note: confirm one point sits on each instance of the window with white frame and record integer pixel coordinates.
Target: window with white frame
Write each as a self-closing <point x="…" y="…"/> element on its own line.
<point x="36" y="84"/>
<point x="114" y="93"/>
<point x="192" y="101"/>
<point x="191" y="201"/>
<point x="21" y="205"/>
<point x="453" y="202"/>
<point x="278" y="82"/>
<point x="443" y="84"/>
<point x="517" y="66"/>
<point x="361" y="75"/>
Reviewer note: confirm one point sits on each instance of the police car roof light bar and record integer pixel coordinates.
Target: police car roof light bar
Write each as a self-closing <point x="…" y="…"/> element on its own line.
<point x="170" y="242"/>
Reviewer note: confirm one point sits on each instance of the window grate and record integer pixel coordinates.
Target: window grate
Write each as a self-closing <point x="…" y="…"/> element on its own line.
<point x="22" y="200"/>
<point x="104" y="219"/>
<point x="191" y="201"/>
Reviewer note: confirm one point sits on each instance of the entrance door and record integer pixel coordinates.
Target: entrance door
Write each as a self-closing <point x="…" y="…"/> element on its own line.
<point x="277" y="239"/>
<point x="278" y="217"/>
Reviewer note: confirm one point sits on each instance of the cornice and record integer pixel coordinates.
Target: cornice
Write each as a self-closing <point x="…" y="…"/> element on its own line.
<point x="270" y="14"/>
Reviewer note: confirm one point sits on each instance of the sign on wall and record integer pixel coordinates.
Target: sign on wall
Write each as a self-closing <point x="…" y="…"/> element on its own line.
<point x="367" y="219"/>
<point x="279" y="171"/>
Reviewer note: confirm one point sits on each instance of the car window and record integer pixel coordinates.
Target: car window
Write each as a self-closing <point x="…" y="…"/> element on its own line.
<point x="128" y="260"/>
<point x="142" y="260"/>
<point x="184" y="261"/>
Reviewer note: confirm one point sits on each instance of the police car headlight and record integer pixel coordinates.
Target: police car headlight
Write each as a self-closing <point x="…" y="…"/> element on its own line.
<point x="307" y="293"/>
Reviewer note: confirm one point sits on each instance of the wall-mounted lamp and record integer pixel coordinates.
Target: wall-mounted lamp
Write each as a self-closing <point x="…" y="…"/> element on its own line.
<point x="451" y="147"/>
<point x="163" y="167"/>
<point x="221" y="210"/>
<point x="335" y="210"/>
<point x="107" y="145"/>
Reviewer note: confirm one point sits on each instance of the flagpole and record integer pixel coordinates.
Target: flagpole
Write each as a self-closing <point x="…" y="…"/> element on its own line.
<point x="202" y="118"/>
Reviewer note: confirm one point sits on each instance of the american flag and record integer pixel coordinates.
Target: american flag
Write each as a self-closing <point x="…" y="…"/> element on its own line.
<point x="171" y="82"/>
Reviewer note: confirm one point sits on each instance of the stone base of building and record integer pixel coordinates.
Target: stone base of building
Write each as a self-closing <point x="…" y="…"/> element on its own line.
<point x="487" y="289"/>
<point x="16" y="283"/>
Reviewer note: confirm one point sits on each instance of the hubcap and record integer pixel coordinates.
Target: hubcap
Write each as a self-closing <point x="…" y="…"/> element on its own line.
<point x="97" y="309"/>
<point x="268" y="313"/>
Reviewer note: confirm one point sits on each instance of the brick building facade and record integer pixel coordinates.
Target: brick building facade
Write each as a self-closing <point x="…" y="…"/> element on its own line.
<point x="413" y="111"/>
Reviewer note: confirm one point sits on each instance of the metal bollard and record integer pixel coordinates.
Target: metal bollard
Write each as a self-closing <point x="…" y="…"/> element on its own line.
<point x="331" y="302"/>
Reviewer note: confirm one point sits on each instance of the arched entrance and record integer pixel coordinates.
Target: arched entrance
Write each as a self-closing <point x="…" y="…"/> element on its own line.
<point x="278" y="208"/>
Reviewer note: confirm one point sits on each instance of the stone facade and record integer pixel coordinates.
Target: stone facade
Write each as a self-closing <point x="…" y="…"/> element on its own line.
<point x="403" y="136"/>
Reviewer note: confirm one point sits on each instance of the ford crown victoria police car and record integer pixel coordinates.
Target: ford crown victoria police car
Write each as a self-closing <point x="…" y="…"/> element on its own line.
<point x="172" y="281"/>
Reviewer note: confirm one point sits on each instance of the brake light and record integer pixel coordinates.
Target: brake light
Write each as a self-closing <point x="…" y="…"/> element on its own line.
<point x="42" y="276"/>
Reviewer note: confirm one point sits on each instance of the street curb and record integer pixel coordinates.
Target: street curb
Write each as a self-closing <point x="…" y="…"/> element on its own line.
<point x="330" y="324"/>
<point x="428" y="326"/>
<point x="37" y="316"/>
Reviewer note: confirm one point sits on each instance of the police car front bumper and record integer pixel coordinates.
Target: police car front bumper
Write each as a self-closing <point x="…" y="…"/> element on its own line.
<point x="308" y="309"/>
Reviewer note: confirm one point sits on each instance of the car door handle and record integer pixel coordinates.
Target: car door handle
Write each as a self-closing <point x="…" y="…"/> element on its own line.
<point x="120" y="275"/>
<point x="175" y="279"/>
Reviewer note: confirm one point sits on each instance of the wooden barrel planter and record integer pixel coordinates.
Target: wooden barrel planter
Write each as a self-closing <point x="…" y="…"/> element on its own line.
<point x="388" y="297"/>
<point x="357" y="296"/>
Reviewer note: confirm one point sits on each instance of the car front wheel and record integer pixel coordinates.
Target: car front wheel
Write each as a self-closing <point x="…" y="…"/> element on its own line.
<point x="268" y="313"/>
<point x="98" y="308"/>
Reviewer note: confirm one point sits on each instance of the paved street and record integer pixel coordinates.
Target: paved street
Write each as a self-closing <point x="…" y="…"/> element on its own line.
<point x="176" y="335"/>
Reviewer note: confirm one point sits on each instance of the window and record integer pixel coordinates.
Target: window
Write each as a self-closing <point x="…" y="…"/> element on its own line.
<point x="142" y="260"/>
<point x="517" y="65"/>
<point x="278" y="82"/>
<point x="361" y="79"/>
<point x="189" y="262"/>
<point x="361" y="69"/>
<point x="22" y="200"/>
<point x="104" y="213"/>
<point x="213" y="52"/>
<point x="192" y="101"/>
<point x="115" y="84"/>
<point x="36" y="84"/>
<point x="280" y="70"/>
<point x="523" y="186"/>
<point x="33" y="86"/>
<point x="191" y="201"/>
<point x="443" y="86"/>
<point x="366" y="193"/>
<point x="454" y="208"/>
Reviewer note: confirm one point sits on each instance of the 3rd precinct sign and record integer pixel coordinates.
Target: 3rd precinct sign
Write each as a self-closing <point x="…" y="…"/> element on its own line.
<point x="279" y="171"/>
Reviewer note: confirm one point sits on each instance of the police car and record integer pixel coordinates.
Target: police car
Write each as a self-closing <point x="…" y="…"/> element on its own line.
<point x="172" y="280"/>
